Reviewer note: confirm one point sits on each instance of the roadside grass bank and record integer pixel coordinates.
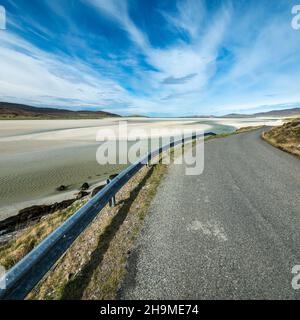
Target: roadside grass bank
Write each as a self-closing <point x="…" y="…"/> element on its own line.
<point x="94" y="265"/>
<point x="247" y="129"/>
<point x="16" y="249"/>
<point x="285" y="137"/>
<point x="293" y="118"/>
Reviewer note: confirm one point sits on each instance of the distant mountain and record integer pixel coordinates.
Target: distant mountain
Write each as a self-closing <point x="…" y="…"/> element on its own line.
<point x="237" y="115"/>
<point x="196" y="116"/>
<point x="280" y="113"/>
<point x="20" y="111"/>
<point x="136" y="116"/>
<point x="273" y="113"/>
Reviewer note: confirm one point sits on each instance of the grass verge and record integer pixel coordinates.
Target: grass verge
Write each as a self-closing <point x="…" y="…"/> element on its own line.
<point x="16" y="249"/>
<point x="285" y="137"/>
<point x="238" y="131"/>
<point x="95" y="264"/>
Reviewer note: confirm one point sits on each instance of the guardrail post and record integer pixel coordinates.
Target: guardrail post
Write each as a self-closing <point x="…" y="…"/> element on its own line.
<point x="160" y="149"/>
<point x="148" y="160"/>
<point x="194" y="136"/>
<point x="172" y="143"/>
<point x="112" y="201"/>
<point x="172" y="152"/>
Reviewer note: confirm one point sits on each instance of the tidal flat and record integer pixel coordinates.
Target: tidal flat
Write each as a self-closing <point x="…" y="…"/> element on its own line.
<point x="38" y="156"/>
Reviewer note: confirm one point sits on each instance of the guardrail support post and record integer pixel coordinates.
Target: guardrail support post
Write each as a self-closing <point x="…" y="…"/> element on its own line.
<point x="172" y="152"/>
<point x="160" y="149"/>
<point x="172" y="143"/>
<point x="148" y="161"/>
<point x="112" y="201"/>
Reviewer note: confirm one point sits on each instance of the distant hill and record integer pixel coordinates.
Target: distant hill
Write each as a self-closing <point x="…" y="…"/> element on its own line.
<point x="136" y="116"/>
<point x="237" y="115"/>
<point x="273" y="113"/>
<point x="19" y="111"/>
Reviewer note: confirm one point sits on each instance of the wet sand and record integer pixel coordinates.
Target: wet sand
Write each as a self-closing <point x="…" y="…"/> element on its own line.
<point x="37" y="156"/>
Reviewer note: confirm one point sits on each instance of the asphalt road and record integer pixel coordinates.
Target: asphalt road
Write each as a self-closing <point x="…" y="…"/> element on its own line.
<point x="231" y="233"/>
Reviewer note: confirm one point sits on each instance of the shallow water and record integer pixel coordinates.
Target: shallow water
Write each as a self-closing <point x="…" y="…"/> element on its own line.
<point x="35" y="175"/>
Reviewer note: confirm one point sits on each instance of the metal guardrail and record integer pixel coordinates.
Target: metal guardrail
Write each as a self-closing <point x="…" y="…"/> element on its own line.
<point x="22" y="278"/>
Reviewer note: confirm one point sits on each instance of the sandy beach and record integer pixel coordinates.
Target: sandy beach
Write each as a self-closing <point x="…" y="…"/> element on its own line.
<point x="37" y="156"/>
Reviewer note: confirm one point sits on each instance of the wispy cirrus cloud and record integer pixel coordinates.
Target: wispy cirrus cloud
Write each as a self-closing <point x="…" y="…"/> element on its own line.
<point x="29" y="74"/>
<point x="189" y="18"/>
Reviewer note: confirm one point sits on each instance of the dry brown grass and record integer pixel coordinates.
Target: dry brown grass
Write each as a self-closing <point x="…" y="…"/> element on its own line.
<point x="247" y="129"/>
<point x="293" y="118"/>
<point x="285" y="137"/>
<point x="16" y="249"/>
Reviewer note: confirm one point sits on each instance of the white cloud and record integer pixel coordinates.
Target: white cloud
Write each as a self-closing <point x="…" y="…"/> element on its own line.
<point x="197" y="57"/>
<point x="189" y="18"/>
<point x="118" y="11"/>
<point x="30" y="74"/>
<point x="261" y="64"/>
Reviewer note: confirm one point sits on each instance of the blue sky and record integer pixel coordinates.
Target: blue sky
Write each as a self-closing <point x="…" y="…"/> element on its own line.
<point x="154" y="57"/>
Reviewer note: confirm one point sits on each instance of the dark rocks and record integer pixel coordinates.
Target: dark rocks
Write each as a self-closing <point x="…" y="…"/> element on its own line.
<point x="62" y="188"/>
<point x="85" y="186"/>
<point x="81" y="195"/>
<point x="31" y="214"/>
<point x="70" y="276"/>
<point x="97" y="189"/>
<point x="112" y="176"/>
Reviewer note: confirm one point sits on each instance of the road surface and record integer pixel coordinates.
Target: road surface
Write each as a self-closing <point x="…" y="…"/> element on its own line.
<point x="231" y="233"/>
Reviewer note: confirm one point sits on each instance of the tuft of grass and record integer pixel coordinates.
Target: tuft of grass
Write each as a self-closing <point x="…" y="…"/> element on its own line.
<point x="285" y="137"/>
